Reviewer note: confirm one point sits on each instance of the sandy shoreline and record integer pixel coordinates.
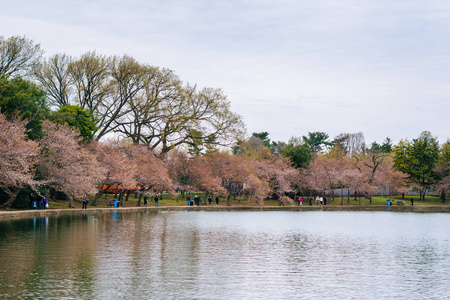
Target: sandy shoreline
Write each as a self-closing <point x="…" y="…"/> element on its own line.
<point x="50" y="212"/>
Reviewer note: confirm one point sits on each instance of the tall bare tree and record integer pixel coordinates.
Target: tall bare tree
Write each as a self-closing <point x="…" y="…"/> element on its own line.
<point x="55" y="78"/>
<point x="90" y="75"/>
<point x="127" y="81"/>
<point x="18" y="56"/>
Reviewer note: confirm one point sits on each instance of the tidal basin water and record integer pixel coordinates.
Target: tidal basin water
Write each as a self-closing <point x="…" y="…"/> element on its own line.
<point x="227" y="255"/>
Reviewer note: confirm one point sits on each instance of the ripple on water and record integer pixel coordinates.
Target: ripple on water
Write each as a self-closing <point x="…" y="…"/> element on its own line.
<point x="228" y="255"/>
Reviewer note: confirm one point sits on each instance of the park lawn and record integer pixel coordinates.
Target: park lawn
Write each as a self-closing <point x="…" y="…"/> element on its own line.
<point x="381" y="200"/>
<point x="168" y="200"/>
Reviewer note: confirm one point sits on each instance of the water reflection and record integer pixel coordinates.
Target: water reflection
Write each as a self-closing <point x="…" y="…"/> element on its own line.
<point x="226" y="255"/>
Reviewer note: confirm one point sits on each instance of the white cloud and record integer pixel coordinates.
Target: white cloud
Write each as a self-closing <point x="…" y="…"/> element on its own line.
<point x="289" y="67"/>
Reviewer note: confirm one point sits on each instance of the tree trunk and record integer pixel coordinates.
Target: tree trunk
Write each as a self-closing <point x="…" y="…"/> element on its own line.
<point x="70" y="200"/>
<point x="228" y="200"/>
<point x="443" y="196"/>
<point x="206" y="198"/>
<point x="11" y="197"/>
<point x="116" y="191"/>
<point x="139" y="201"/>
<point x="121" y="193"/>
<point x="389" y="188"/>
<point x="52" y="194"/>
<point x="99" y="194"/>
<point x="342" y="196"/>
<point x="128" y="192"/>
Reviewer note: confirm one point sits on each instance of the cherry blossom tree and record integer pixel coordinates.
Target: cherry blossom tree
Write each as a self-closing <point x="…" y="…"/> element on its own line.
<point x="151" y="172"/>
<point x="443" y="170"/>
<point x="278" y="176"/>
<point x="350" y="178"/>
<point x="17" y="158"/>
<point x="66" y="164"/>
<point x="179" y="166"/>
<point x="205" y="177"/>
<point x="325" y="173"/>
<point x="231" y="171"/>
<point x="120" y="170"/>
<point x="395" y="182"/>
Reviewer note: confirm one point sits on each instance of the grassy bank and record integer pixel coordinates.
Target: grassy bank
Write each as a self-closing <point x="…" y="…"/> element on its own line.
<point x="167" y="200"/>
<point x="60" y="207"/>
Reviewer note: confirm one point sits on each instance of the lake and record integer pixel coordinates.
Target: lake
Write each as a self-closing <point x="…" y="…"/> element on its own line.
<point x="227" y="255"/>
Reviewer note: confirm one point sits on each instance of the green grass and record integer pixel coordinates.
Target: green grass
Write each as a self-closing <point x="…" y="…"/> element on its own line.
<point x="168" y="200"/>
<point x="381" y="200"/>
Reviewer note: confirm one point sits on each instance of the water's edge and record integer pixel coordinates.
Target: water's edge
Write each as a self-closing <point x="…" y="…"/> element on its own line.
<point x="48" y="212"/>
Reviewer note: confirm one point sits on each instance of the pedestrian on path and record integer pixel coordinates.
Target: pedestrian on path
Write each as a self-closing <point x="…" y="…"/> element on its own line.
<point x="85" y="202"/>
<point x="44" y="203"/>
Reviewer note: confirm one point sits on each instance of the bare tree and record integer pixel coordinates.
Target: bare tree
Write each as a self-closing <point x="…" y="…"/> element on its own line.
<point x="55" y="78"/>
<point x="181" y="116"/>
<point x="351" y="143"/>
<point x="91" y="77"/>
<point x="18" y="56"/>
<point x="127" y="81"/>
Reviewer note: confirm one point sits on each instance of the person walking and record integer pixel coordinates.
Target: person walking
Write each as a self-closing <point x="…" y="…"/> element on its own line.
<point x="189" y="200"/>
<point x="39" y="201"/>
<point x="209" y="200"/>
<point x="31" y="199"/>
<point x="300" y="201"/>
<point x="324" y="201"/>
<point x="310" y="201"/>
<point x="412" y="201"/>
<point x="85" y="202"/>
<point x="217" y="201"/>
<point x="156" y="201"/>
<point x="44" y="203"/>
<point x="317" y="200"/>
<point x="145" y="201"/>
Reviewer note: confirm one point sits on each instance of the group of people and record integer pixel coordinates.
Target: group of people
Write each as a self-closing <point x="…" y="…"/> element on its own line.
<point x="156" y="199"/>
<point x="197" y="201"/>
<point x="319" y="200"/>
<point x="38" y="202"/>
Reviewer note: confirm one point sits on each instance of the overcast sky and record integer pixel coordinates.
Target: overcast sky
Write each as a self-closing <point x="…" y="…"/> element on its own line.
<point x="288" y="67"/>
